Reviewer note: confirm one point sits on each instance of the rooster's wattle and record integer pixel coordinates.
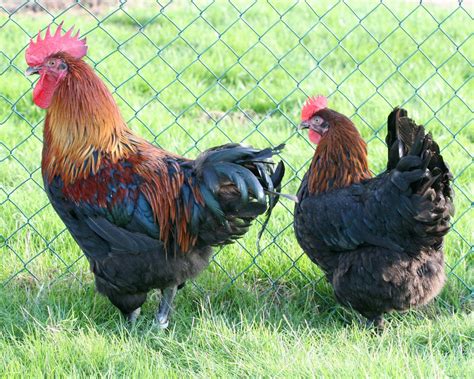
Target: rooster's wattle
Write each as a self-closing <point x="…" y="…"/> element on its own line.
<point x="145" y="218"/>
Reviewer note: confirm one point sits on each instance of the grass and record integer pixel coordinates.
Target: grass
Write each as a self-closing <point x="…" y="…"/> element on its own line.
<point x="190" y="91"/>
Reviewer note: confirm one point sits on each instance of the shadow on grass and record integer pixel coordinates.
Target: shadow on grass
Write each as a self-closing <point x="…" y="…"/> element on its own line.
<point x="27" y="307"/>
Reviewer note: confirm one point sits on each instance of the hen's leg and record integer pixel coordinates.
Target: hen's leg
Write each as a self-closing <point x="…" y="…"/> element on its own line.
<point x="132" y="316"/>
<point x="162" y="316"/>
<point x="376" y="322"/>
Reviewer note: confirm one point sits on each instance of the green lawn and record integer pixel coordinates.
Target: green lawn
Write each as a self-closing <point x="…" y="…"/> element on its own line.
<point x="221" y="80"/>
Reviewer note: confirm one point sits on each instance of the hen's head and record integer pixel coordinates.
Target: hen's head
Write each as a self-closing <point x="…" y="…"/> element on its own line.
<point x="322" y="121"/>
<point x="341" y="157"/>
<point x="50" y="57"/>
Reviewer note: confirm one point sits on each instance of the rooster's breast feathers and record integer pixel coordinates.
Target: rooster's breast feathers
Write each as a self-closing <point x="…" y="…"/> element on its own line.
<point x="108" y="212"/>
<point x="155" y="200"/>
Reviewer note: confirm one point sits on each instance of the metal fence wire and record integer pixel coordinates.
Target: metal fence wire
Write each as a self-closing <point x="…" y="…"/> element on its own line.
<point x="190" y="75"/>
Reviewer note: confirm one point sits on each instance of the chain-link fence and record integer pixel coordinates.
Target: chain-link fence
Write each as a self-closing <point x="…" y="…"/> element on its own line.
<point x="190" y="75"/>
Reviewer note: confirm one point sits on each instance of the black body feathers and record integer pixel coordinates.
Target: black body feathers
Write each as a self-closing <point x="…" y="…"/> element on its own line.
<point x="380" y="241"/>
<point x="220" y="194"/>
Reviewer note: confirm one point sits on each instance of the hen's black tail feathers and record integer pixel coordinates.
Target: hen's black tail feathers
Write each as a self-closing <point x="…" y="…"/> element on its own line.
<point x="401" y="133"/>
<point x="405" y="137"/>
<point x="233" y="181"/>
<point x="416" y="158"/>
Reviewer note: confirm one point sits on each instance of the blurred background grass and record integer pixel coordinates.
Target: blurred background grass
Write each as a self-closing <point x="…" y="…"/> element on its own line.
<point x="188" y="76"/>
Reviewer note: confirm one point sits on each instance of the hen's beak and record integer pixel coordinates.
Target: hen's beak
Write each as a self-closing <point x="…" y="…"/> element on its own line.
<point x="320" y="129"/>
<point x="32" y="70"/>
<point x="303" y="125"/>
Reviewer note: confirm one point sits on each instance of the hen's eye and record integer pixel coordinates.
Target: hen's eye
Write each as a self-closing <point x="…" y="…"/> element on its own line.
<point x="318" y="120"/>
<point x="51" y="63"/>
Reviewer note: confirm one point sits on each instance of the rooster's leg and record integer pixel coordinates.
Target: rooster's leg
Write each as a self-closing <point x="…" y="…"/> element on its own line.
<point x="162" y="316"/>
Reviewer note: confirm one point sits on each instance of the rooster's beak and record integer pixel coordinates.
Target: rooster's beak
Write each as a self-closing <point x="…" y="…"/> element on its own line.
<point x="32" y="70"/>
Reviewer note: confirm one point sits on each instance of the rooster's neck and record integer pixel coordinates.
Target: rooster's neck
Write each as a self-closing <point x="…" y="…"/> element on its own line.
<point x="83" y="127"/>
<point x="339" y="161"/>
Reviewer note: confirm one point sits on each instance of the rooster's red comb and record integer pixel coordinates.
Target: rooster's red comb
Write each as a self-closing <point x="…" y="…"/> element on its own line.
<point x="313" y="105"/>
<point x="51" y="44"/>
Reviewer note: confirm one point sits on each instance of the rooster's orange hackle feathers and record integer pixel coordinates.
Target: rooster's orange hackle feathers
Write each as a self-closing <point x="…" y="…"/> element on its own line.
<point x="145" y="218"/>
<point x="83" y="120"/>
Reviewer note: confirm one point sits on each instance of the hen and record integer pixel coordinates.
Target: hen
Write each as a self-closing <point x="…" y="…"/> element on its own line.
<point x="145" y="218"/>
<point x="379" y="240"/>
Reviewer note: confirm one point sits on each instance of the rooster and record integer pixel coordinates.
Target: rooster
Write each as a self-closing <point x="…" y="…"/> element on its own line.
<point x="145" y="218"/>
<point x="379" y="240"/>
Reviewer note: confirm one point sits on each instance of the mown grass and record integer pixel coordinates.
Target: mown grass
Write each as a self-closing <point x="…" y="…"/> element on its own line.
<point x="197" y="89"/>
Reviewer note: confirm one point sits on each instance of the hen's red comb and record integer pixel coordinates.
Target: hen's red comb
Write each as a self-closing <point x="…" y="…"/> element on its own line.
<point x="313" y="105"/>
<point x="52" y="44"/>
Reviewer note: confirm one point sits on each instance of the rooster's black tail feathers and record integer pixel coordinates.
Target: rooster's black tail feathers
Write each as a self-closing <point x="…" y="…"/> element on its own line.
<point x="235" y="182"/>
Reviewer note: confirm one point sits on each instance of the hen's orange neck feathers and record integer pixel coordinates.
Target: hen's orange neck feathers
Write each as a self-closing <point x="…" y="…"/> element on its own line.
<point x="340" y="158"/>
<point x="83" y="118"/>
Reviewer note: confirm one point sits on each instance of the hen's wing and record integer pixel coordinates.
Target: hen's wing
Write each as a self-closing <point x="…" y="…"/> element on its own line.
<point x="404" y="209"/>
